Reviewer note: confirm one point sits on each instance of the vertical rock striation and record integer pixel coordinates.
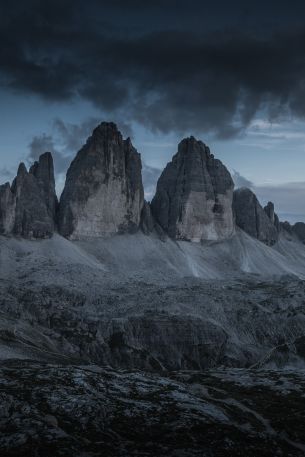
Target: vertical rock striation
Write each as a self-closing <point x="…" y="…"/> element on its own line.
<point x="43" y="170"/>
<point x="194" y="193"/>
<point x="103" y="194"/>
<point x="269" y="210"/>
<point x="28" y="206"/>
<point x="259" y="223"/>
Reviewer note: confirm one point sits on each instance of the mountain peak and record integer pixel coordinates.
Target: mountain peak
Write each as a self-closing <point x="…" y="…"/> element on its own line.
<point x="27" y="208"/>
<point x="194" y="195"/>
<point x="250" y="216"/>
<point x="103" y="194"/>
<point x="22" y="170"/>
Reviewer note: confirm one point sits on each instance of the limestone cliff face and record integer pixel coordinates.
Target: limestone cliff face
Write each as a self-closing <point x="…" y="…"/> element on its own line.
<point x="259" y="223"/>
<point x="43" y="170"/>
<point x="269" y="210"/>
<point x="28" y="206"/>
<point x="194" y="193"/>
<point x="103" y="194"/>
<point x="7" y="209"/>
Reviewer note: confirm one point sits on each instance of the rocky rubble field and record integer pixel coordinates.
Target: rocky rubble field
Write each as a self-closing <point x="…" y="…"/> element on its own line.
<point x="133" y="346"/>
<point x="192" y="324"/>
<point x="67" y="410"/>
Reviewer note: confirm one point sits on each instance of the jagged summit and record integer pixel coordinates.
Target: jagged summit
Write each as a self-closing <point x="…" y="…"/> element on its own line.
<point x="28" y="206"/>
<point x="250" y="216"/>
<point x="193" y="200"/>
<point x="103" y="194"/>
<point x="43" y="170"/>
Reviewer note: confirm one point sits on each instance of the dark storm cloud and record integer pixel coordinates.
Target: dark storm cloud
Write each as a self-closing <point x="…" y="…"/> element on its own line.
<point x="150" y="65"/>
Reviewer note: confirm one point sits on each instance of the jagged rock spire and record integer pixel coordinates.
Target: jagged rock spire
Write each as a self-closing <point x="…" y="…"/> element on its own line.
<point x="43" y="170"/>
<point x="193" y="200"/>
<point x="250" y="216"/>
<point x="103" y="193"/>
<point x="27" y="208"/>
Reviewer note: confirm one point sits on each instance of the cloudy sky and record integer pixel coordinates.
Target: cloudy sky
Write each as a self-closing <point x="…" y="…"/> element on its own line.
<point x="230" y="73"/>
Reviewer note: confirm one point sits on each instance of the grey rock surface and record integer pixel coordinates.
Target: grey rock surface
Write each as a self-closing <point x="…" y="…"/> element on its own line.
<point x="286" y="227"/>
<point x="299" y="230"/>
<point x="134" y="301"/>
<point x="79" y="319"/>
<point x="43" y="170"/>
<point x="253" y="219"/>
<point x="103" y="194"/>
<point x="149" y="225"/>
<point x="28" y="206"/>
<point x="147" y="220"/>
<point x="187" y="325"/>
<point x="55" y="410"/>
<point x="193" y="199"/>
<point x="269" y="210"/>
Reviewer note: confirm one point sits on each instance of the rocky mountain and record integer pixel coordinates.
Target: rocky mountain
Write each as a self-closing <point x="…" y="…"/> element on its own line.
<point x="193" y="200"/>
<point x="269" y="210"/>
<point x="103" y="194"/>
<point x="299" y="230"/>
<point x="250" y="216"/>
<point x="145" y="343"/>
<point x="28" y="206"/>
<point x="296" y="230"/>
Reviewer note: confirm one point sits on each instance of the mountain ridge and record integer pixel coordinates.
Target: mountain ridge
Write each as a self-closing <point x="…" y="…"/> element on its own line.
<point x="104" y="196"/>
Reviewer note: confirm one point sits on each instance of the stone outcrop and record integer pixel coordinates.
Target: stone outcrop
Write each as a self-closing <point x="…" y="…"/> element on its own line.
<point x="28" y="206"/>
<point x="194" y="193"/>
<point x="149" y="224"/>
<point x="299" y="230"/>
<point x="147" y="219"/>
<point x="259" y="223"/>
<point x="43" y="170"/>
<point x="269" y="210"/>
<point x="286" y="227"/>
<point x="103" y="194"/>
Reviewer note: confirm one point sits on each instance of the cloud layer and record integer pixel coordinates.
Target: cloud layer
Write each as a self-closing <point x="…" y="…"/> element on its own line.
<point x="146" y="64"/>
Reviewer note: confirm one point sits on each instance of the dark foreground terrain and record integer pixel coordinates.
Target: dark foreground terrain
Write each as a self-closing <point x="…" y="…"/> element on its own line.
<point x="55" y="410"/>
<point x="134" y="347"/>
